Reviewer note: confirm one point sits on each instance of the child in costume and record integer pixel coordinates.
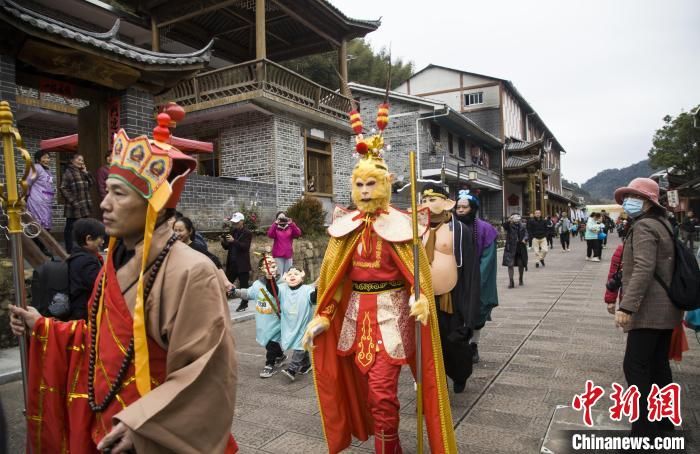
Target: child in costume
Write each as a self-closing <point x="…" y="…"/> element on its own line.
<point x="297" y="309"/>
<point x="268" y="327"/>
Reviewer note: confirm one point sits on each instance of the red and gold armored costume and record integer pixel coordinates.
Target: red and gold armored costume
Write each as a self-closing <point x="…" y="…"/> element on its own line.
<point x="364" y="288"/>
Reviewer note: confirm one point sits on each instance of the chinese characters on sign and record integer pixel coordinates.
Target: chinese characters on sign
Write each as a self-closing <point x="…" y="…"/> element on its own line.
<point x="112" y="119"/>
<point x="56" y="87"/>
<point x="661" y="403"/>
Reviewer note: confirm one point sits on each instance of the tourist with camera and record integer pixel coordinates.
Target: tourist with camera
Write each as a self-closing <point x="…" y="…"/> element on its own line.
<point x="283" y="232"/>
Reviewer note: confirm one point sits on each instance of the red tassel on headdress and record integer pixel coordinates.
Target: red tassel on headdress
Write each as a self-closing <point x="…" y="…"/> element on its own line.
<point x="356" y="121"/>
<point x="382" y="116"/>
<point x="361" y="148"/>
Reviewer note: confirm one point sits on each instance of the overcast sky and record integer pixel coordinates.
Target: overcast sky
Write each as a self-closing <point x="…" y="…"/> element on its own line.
<point x="601" y="73"/>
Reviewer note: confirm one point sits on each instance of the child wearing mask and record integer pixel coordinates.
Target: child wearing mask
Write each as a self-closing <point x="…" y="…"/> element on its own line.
<point x="298" y="300"/>
<point x="268" y="329"/>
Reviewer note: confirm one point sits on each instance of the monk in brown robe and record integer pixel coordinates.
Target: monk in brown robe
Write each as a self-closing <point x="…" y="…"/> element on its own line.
<point x="154" y="368"/>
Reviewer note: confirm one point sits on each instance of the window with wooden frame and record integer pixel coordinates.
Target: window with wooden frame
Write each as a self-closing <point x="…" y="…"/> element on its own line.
<point x="450" y="145"/>
<point x="209" y="164"/>
<point x="319" y="166"/>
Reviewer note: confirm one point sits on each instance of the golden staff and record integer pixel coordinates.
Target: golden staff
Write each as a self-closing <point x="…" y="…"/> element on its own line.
<point x="13" y="202"/>
<point x="416" y="294"/>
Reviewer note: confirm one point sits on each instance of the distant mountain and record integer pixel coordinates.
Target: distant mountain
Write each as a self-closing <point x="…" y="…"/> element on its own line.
<point x="603" y="185"/>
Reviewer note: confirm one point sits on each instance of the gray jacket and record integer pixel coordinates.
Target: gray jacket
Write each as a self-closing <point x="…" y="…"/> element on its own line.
<point x="648" y="249"/>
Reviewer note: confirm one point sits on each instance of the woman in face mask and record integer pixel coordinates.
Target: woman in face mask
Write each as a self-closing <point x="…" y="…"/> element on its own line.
<point x="645" y="312"/>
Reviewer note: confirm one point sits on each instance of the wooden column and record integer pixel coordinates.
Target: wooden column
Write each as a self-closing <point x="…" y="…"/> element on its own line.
<point x="533" y="193"/>
<point x="155" y="36"/>
<point x="343" y="66"/>
<point x="260" y="45"/>
<point x="542" y="192"/>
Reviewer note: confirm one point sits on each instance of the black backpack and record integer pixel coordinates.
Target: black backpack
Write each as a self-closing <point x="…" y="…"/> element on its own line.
<point x="684" y="289"/>
<point x="48" y="280"/>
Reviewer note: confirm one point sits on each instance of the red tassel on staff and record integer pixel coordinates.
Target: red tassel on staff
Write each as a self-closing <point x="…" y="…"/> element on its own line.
<point x="356" y="121"/>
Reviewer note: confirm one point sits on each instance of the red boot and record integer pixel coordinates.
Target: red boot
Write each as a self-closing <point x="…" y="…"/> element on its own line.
<point x="387" y="443"/>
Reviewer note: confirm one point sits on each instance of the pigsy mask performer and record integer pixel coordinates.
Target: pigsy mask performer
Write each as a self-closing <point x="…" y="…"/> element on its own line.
<point x="364" y="327"/>
<point x="158" y="338"/>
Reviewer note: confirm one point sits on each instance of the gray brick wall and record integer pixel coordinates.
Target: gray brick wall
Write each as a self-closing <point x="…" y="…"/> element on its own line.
<point x="289" y="160"/>
<point x="270" y="149"/>
<point x="136" y="112"/>
<point x="489" y="119"/>
<point x="210" y="200"/>
<point x="8" y="87"/>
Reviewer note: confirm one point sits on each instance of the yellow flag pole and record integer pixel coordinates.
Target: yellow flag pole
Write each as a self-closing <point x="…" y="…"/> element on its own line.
<point x="416" y="293"/>
<point x="13" y="202"/>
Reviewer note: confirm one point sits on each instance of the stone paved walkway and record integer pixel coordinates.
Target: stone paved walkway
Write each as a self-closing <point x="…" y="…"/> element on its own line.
<point x="547" y="338"/>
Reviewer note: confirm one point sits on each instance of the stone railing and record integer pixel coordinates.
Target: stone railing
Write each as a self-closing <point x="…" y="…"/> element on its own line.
<point x="253" y="79"/>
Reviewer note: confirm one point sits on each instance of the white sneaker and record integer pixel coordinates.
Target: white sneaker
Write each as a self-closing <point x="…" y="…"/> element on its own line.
<point x="595" y="259"/>
<point x="588" y="259"/>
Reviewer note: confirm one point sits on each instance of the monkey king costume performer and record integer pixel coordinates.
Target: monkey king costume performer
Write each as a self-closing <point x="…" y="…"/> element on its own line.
<point x="455" y="270"/>
<point x="364" y="327"/>
<point x="485" y="236"/>
<point x="156" y="354"/>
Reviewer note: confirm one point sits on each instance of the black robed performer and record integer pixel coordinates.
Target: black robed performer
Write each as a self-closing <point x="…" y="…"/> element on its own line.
<point x="449" y="245"/>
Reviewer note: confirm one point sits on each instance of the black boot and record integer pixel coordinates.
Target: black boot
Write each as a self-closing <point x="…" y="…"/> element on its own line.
<point x="520" y="281"/>
<point x="243" y="306"/>
<point x="512" y="284"/>
<point x="459" y="387"/>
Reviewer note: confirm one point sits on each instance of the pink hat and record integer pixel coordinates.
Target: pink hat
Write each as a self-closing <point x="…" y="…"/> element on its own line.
<point x="642" y="187"/>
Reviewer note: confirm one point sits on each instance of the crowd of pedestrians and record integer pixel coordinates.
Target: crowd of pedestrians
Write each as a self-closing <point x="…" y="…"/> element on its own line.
<point x="284" y="303"/>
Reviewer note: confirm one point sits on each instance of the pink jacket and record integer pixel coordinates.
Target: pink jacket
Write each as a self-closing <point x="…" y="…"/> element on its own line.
<point x="282" y="244"/>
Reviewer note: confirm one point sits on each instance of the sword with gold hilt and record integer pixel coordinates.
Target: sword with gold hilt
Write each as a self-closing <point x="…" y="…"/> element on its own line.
<point x="12" y="201"/>
<point x="416" y="294"/>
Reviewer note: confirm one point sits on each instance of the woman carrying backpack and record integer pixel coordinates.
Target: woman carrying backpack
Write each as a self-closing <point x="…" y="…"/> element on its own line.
<point x="646" y="312"/>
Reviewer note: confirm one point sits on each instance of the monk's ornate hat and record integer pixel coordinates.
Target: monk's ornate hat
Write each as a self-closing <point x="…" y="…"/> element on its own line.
<point x="157" y="171"/>
<point x="152" y="167"/>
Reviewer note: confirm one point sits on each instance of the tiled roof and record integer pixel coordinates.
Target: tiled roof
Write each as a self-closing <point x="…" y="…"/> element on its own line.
<point x="107" y="41"/>
<point x="520" y="146"/>
<point x="517" y="162"/>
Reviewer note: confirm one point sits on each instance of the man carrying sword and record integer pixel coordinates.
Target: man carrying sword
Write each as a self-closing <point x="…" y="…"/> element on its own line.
<point x="364" y="327"/>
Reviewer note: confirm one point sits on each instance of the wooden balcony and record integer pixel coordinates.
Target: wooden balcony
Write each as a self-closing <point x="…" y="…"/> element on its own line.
<point x="258" y="80"/>
<point x="485" y="178"/>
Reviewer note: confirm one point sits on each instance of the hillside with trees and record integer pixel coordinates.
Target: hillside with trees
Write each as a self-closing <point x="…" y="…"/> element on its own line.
<point x="602" y="186"/>
<point x="365" y="66"/>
